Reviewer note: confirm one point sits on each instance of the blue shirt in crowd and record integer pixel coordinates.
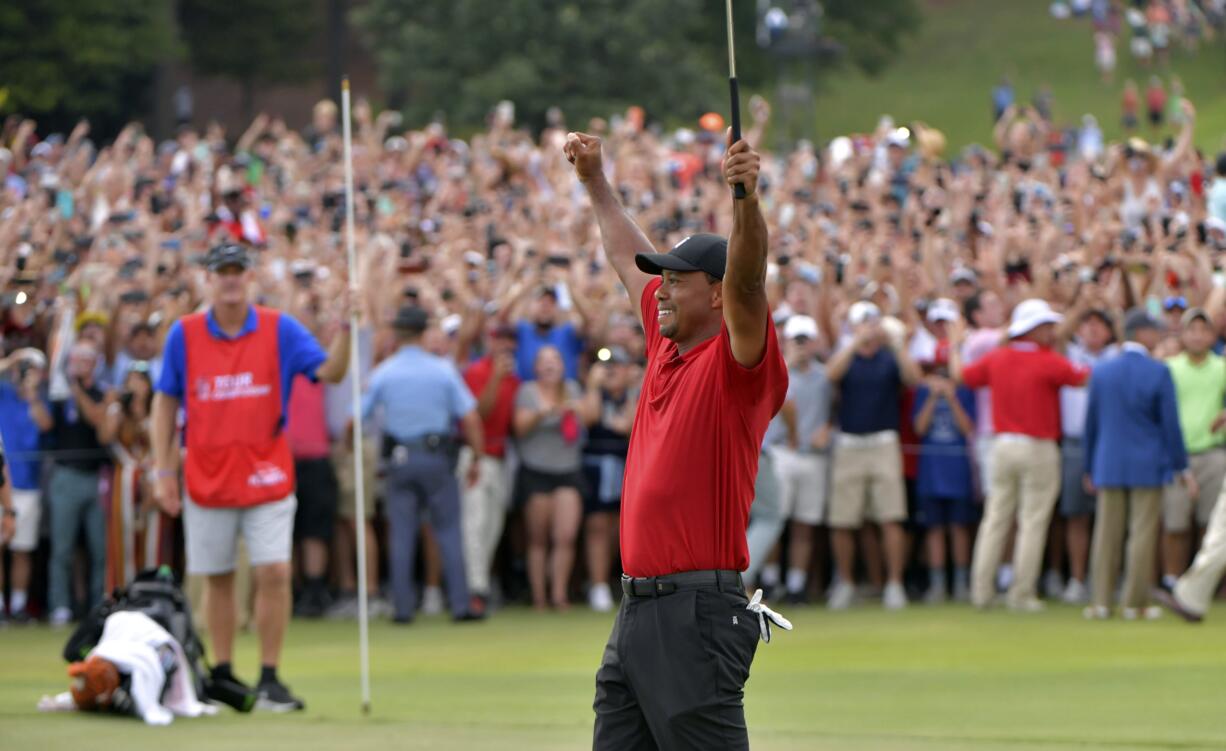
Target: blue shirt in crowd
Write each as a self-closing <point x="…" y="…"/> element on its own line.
<point x="565" y="337"/>
<point x="298" y="348"/>
<point x="421" y="394"/>
<point x="21" y="439"/>
<point x="869" y="394"/>
<point x="944" y="463"/>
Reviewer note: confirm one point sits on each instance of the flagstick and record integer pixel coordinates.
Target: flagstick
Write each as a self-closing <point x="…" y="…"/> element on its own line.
<point x="355" y="378"/>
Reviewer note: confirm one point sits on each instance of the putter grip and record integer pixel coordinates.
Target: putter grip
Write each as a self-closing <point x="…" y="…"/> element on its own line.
<point x="738" y="190"/>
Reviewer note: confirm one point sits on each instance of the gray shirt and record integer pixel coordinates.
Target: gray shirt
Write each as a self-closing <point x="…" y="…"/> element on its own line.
<point x="544" y="449"/>
<point x="812" y="394"/>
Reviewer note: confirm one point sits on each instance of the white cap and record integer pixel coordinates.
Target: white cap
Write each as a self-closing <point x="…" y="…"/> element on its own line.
<point x="964" y="274"/>
<point x="798" y="326"/>
<point x="861" y="312"/>
<point x="942" y="309"/>
<point x="451" y="324"/>
<point x="1031" y="314"/>
<point x="1215" y="224"/>
<point x="900" y="137"/>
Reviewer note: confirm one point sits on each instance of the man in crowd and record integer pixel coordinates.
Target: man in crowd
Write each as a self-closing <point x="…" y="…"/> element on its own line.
<point x="73" y="489"/>
<point x="421" y="398"/>
<point x="870" y="372"/>
<point x="231" y="368"/>
<point x="23" y="417"/>
<point x="1092" y="345"/>
<point x="1025" y="378"/>
<point x="1132" y="446"/>
<point x="1200" y="388"/>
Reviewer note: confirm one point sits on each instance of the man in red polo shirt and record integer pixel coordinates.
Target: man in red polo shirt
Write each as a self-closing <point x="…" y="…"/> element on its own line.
<point x="715" y="377"/>
<point x="231" y="368"/>
<point x="1025" y="378"/>
<point x="493" y="381"/>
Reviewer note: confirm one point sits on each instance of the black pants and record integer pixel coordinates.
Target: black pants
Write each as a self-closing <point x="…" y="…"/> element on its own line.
<point x="673" y="673"/>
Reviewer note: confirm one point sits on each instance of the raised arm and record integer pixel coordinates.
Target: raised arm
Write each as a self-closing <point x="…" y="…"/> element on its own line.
<point x="621" y="236"/>
<point x="745" y="307"/>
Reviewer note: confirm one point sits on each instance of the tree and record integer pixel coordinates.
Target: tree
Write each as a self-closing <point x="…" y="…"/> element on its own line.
<point x="61" y="60"/>
<point x="589" y="56"/>
<point x="251" y="42"/>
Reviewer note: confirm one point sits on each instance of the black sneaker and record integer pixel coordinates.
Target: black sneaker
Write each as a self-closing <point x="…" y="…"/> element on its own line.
<point x="223" y="688"/>
<point x="21" y="618"/>
<point x="273" y="696"/>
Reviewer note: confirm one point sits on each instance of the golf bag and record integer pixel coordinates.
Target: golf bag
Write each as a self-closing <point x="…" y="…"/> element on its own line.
<point x="155" y="593"/>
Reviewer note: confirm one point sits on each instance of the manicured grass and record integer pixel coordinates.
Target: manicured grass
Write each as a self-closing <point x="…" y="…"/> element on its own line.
<point x="946" y="72"/>
<point x="924" y="679"/>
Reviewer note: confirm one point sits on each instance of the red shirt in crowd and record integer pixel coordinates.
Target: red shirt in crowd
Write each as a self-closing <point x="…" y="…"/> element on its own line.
<point x="1025" y="380"/>
<point x="694" y="452"/>
<point x="497" y="426"/>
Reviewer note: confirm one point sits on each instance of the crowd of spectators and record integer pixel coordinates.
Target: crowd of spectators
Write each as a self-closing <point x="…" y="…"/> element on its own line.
<point x="879" y="243"/>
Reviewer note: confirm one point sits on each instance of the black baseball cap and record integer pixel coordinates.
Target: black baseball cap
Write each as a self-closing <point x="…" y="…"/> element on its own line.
<point x="1138" y="319"/>
<point x="701" y="252"/>
<point x="411" y="318"/>
<point x="228" y="254"/>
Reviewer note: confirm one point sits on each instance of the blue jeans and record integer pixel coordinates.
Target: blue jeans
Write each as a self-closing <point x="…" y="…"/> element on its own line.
<point x="73" y="498"/>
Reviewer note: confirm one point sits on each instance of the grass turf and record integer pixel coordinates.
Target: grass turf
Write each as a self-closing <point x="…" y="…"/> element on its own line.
<point x="946" y="71"/>
<point x="921" y="680"/>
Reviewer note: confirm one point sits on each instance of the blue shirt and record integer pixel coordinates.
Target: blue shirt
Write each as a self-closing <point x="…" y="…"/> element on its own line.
<point x="298" y="349"/>
<point x="21" y="438"/>
<point x="869" y="394"/>
<point x="421" y="394"/>
<point x="564" y="337"/>
<point x="944" y="462"/>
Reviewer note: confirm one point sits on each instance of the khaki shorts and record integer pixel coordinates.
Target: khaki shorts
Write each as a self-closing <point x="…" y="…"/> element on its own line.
<point x="342" y="461"/>
<point x="28" y="505"/>
<point x="213" y="533"/>
<point x="1209" y="468"/>
<point x="802" y="484"/>
<point x="868" y="484"/>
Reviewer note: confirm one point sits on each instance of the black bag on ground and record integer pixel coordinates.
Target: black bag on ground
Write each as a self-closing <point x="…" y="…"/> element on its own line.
<point x="155" y="593"/>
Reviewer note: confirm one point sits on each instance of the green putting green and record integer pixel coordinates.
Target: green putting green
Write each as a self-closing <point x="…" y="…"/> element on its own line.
<point x="923" y="679"/>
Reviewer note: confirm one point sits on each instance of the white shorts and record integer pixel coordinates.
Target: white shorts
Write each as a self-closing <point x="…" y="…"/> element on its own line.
<point x="212" y="535"/>
<point x="28" y="505"/>
<point x="802" y="484"/>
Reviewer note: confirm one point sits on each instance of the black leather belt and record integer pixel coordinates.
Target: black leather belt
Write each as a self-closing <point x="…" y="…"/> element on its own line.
<point x="433" y="443"/>
<point x="659" y="586"/>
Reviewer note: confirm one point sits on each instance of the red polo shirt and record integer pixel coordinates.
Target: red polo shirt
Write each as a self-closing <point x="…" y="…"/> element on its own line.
<point x="1025" y="380"/>
<point x="497" y="426"/>
<point x="694" y="452"/>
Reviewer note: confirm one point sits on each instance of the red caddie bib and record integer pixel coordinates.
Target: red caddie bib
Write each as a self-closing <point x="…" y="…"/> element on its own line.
<point x="237" y="453"/>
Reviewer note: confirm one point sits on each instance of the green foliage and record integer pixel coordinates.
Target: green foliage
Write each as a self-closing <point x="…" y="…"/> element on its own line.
<point x="64" y="59"/>
<point x="250" y="42"/>
<point x="590" y="57"/>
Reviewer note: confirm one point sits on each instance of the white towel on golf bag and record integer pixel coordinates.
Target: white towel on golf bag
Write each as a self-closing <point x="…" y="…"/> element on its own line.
<point x="131" y="641"/>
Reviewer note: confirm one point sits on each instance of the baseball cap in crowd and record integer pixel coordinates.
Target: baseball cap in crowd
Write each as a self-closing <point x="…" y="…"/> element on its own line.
<point x="91" y="318"/>
<point x="1137" y="319"/>
<point x="800" y="327"/>
<point x="1195" y="314"/>
<point x="963" y="275"/>
<point x="1215" y="224"/>
<point x="900" y="137"/>
<point x="411" y="318"/>
<point x="942" y="309"/>
<point x="1031" y="314"/>
<point x="862" y="312"/>
<point x="228" y="254"/>
<point x="701" y="252"/>
<point x="1175" y="302"/>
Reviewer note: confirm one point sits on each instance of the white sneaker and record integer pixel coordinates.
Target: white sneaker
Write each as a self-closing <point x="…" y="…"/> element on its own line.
<point x="1096" y="613"/>
<point x="432" y="601"/>
<point x="60" y="617"/>
<point x="1075" y="593"/>
<point x="1029" y="605"/>
<point x="894" y="598"/>
<point x="1004" y="577"/>
<point x="600" y="598"/>
<point x="1053" y="584"/>
<point x="1151" y="613"/>
<point x="840" y="596"/>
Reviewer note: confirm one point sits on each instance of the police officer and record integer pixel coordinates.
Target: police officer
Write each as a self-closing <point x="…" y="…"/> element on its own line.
<point x="422" y="396"/>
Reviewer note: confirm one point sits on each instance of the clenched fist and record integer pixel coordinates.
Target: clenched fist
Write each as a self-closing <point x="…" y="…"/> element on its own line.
<point x="583" y="151"/>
